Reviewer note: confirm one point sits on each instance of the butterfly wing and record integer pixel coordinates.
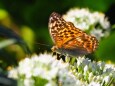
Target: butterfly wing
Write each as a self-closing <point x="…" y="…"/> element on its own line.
<point x="66" y="35"/>
<point x="80" y="40"/>
<point x="57" y="28"/>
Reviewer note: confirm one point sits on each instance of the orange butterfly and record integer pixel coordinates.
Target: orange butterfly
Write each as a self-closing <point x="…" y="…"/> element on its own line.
<point x="68" y="39"/>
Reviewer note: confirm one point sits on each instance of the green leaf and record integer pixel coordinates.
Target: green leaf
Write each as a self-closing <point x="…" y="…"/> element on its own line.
<point x="106" y="50"/>
<point x="7" y="42"/>
<point x="40" y="81"/>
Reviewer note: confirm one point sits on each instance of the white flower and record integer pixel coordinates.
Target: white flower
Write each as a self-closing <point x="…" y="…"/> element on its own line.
<point x="13" y="73"/>
<point x="94" y="84"/>
<point x="28" y="82"/>
<point x="85" y="69"/>
<point x="101" y="65"/>
<point x="93" y="72"/>
<point x="84" y="72"/>
<point x="51" y="83"/>
<point x="107" y="79"/>
<point x="90" y="76"/>
<point x="97" y="33"/>
<point x="80" y="16"/>
<point x="25" y="67"/>
<point x="89" y="21"/>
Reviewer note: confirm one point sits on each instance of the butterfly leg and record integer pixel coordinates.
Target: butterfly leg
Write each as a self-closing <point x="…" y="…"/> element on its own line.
<point x="59" y="56"/>
<point x="54" y="53"/>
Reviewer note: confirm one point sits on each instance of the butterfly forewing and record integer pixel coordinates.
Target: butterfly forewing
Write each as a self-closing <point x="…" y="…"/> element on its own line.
<point x="56" y="26"/>
<point x="66" y="36"/>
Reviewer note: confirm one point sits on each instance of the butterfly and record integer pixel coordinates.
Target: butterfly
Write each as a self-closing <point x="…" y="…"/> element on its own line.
<point x="68" y="39"/>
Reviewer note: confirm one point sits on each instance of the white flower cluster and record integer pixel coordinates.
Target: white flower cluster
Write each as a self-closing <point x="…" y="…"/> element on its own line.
<point x="94" y="23"/>
<point x="44" y="66"/>
<point x="57" y="73"/>
<point x="93" y="73"/>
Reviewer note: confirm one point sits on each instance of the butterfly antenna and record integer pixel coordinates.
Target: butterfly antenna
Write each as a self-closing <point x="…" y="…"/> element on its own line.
<point x="42" y="44"/>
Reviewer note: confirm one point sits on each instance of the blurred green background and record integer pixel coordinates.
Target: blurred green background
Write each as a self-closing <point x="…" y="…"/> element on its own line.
<point x="29" y="19"/>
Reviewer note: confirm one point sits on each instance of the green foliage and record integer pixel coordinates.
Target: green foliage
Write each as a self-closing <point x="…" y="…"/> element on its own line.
<point x="106" y="50"/>
<point x="35" y="14"/>
<point x="40" y="81"/>
<point x="28" y="35"/>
